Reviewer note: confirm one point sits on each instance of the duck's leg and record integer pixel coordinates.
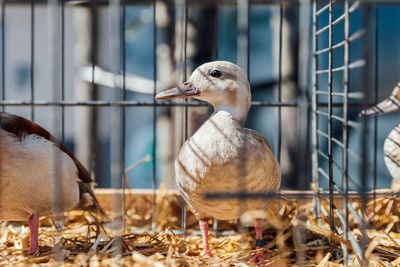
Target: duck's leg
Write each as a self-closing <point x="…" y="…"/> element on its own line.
<point x="203" y="223"/>
<point x="33" y="222"/>
<point x="260" y="243"/>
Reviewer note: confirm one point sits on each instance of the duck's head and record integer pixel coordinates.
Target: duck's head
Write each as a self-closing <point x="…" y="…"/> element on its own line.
<point x="390" y="104"/>
<point x="220" y="83"/>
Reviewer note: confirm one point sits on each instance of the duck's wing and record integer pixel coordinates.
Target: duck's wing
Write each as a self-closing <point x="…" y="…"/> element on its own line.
<point x="20" y="127"/>
<point x="263" y="161"/>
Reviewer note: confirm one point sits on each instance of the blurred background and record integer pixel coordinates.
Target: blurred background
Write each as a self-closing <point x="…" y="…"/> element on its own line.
<point x="165" y="41"/>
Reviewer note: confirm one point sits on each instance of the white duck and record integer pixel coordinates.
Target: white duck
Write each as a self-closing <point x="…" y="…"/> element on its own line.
<point x="391" y="147"/>
<point x="27" y="169"/>
<point x="223" y="155"/>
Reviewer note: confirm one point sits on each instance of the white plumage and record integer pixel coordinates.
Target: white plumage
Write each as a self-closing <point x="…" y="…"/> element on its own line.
<point x="223" y="156"/>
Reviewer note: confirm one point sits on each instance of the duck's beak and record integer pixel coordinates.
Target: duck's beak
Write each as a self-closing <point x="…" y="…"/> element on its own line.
<point x="185" y="90"/>
<point x="390" y="104"/>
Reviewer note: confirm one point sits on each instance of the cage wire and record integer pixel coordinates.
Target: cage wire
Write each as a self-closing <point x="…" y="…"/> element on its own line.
<point x="332" y="100"/>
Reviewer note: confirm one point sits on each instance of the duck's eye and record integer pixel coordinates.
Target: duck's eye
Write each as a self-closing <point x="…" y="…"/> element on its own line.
<point x="216" y="73"/>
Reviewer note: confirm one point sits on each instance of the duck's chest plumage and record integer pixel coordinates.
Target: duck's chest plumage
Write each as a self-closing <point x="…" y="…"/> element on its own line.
<point x="392" y="152"/>
<point x="224" y="156"/>
<point x="29" y="166"/>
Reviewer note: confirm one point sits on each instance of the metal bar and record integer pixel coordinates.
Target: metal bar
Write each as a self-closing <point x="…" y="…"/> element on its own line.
<point x="243" y="49"/>
<point x="376" y="97"/>
<point x="353" y="124"/>
<point x="335" y="187"/>
<point x="134" y="103"/>
<point x="184" y="21"/>
<point x="3" y="54"/>
<point x="154" y="148"/>
<point x="279" y="141"/>
<point x="210" y="3"/>
<point x="116" y="136"/>
<point x="338" y="142"/>
<point x="338" y="20"/>
<point x="330" y="130"/>
<point x="54" y="23"/>
<point x="357" y="35"/>
<point x="322" y="154"/>
<point x="321" y="10"/>
<point x="32" y="70"/>
<point x="322" y="134"/>
<point x="322" y="30"/>
<point x="93" y="92"/>
<point x="322" y="92"/>
<point x="284" y="194"/>
<point x="319" y="112"/>
<point x="356" y="64"/>
<point x="62" y="70"/>
<point x="364" y="166"/>
<point x="347" y="95"/>
<point x="122" y="25"/>
<point x="314" y="118"/>
<point x="354" y="6"/>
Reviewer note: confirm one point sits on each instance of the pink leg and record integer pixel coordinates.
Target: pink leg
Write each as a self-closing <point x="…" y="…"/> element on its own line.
<point x="260" y="243"/>
<point x="204" y="233"/>
<point x="33" y="222"/>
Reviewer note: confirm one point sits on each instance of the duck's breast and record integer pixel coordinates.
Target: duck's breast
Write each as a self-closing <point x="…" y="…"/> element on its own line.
<point x="224" y="157"/>
<point x="28" y="169"/>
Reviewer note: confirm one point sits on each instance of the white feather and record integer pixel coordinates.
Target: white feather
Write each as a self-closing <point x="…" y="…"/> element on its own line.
<point x="28" y="169"/>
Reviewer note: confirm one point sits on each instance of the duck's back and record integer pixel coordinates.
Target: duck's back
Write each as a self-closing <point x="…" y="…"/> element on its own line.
<point x="222" y="156"/>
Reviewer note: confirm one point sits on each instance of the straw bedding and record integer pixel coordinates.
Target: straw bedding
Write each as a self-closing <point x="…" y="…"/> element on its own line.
<point x="294" y="238"/>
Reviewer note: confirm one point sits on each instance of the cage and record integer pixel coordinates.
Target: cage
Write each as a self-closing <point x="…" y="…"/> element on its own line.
<point x="89" y="71"/>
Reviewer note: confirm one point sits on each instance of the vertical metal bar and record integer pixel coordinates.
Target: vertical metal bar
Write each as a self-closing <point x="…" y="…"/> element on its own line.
<point x="243" y="38"/>
<point x="248" y="35"/>
<point x="93" y="143"/>
<point x="184" y="19"/>
<point x="216" y="55"/>
<point x="154" y="149"/>
<point x="367" y="86"/>
<point x="55" y="78"/>
<point x="3" y="54"/>
<point x="279" y="141"/>
<point x="124" y="97"/>
<point x="62" y="70"/>
<point x="243" y="10"/>
<point x="116" y="137"/>
<point x="32" y="74"/>
<point x="330" y="87"/>
<point x="314" y="117"/>
<point x="376" y="97"/>
<point x="345" y="161"/>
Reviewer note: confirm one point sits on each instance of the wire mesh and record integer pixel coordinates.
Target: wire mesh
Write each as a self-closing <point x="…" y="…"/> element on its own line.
<point x="326" y="143"/>
<point x="332" y="101"/>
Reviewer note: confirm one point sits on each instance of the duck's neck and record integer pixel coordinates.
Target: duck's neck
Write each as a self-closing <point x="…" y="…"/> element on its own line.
<point x="238" y="113"/>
